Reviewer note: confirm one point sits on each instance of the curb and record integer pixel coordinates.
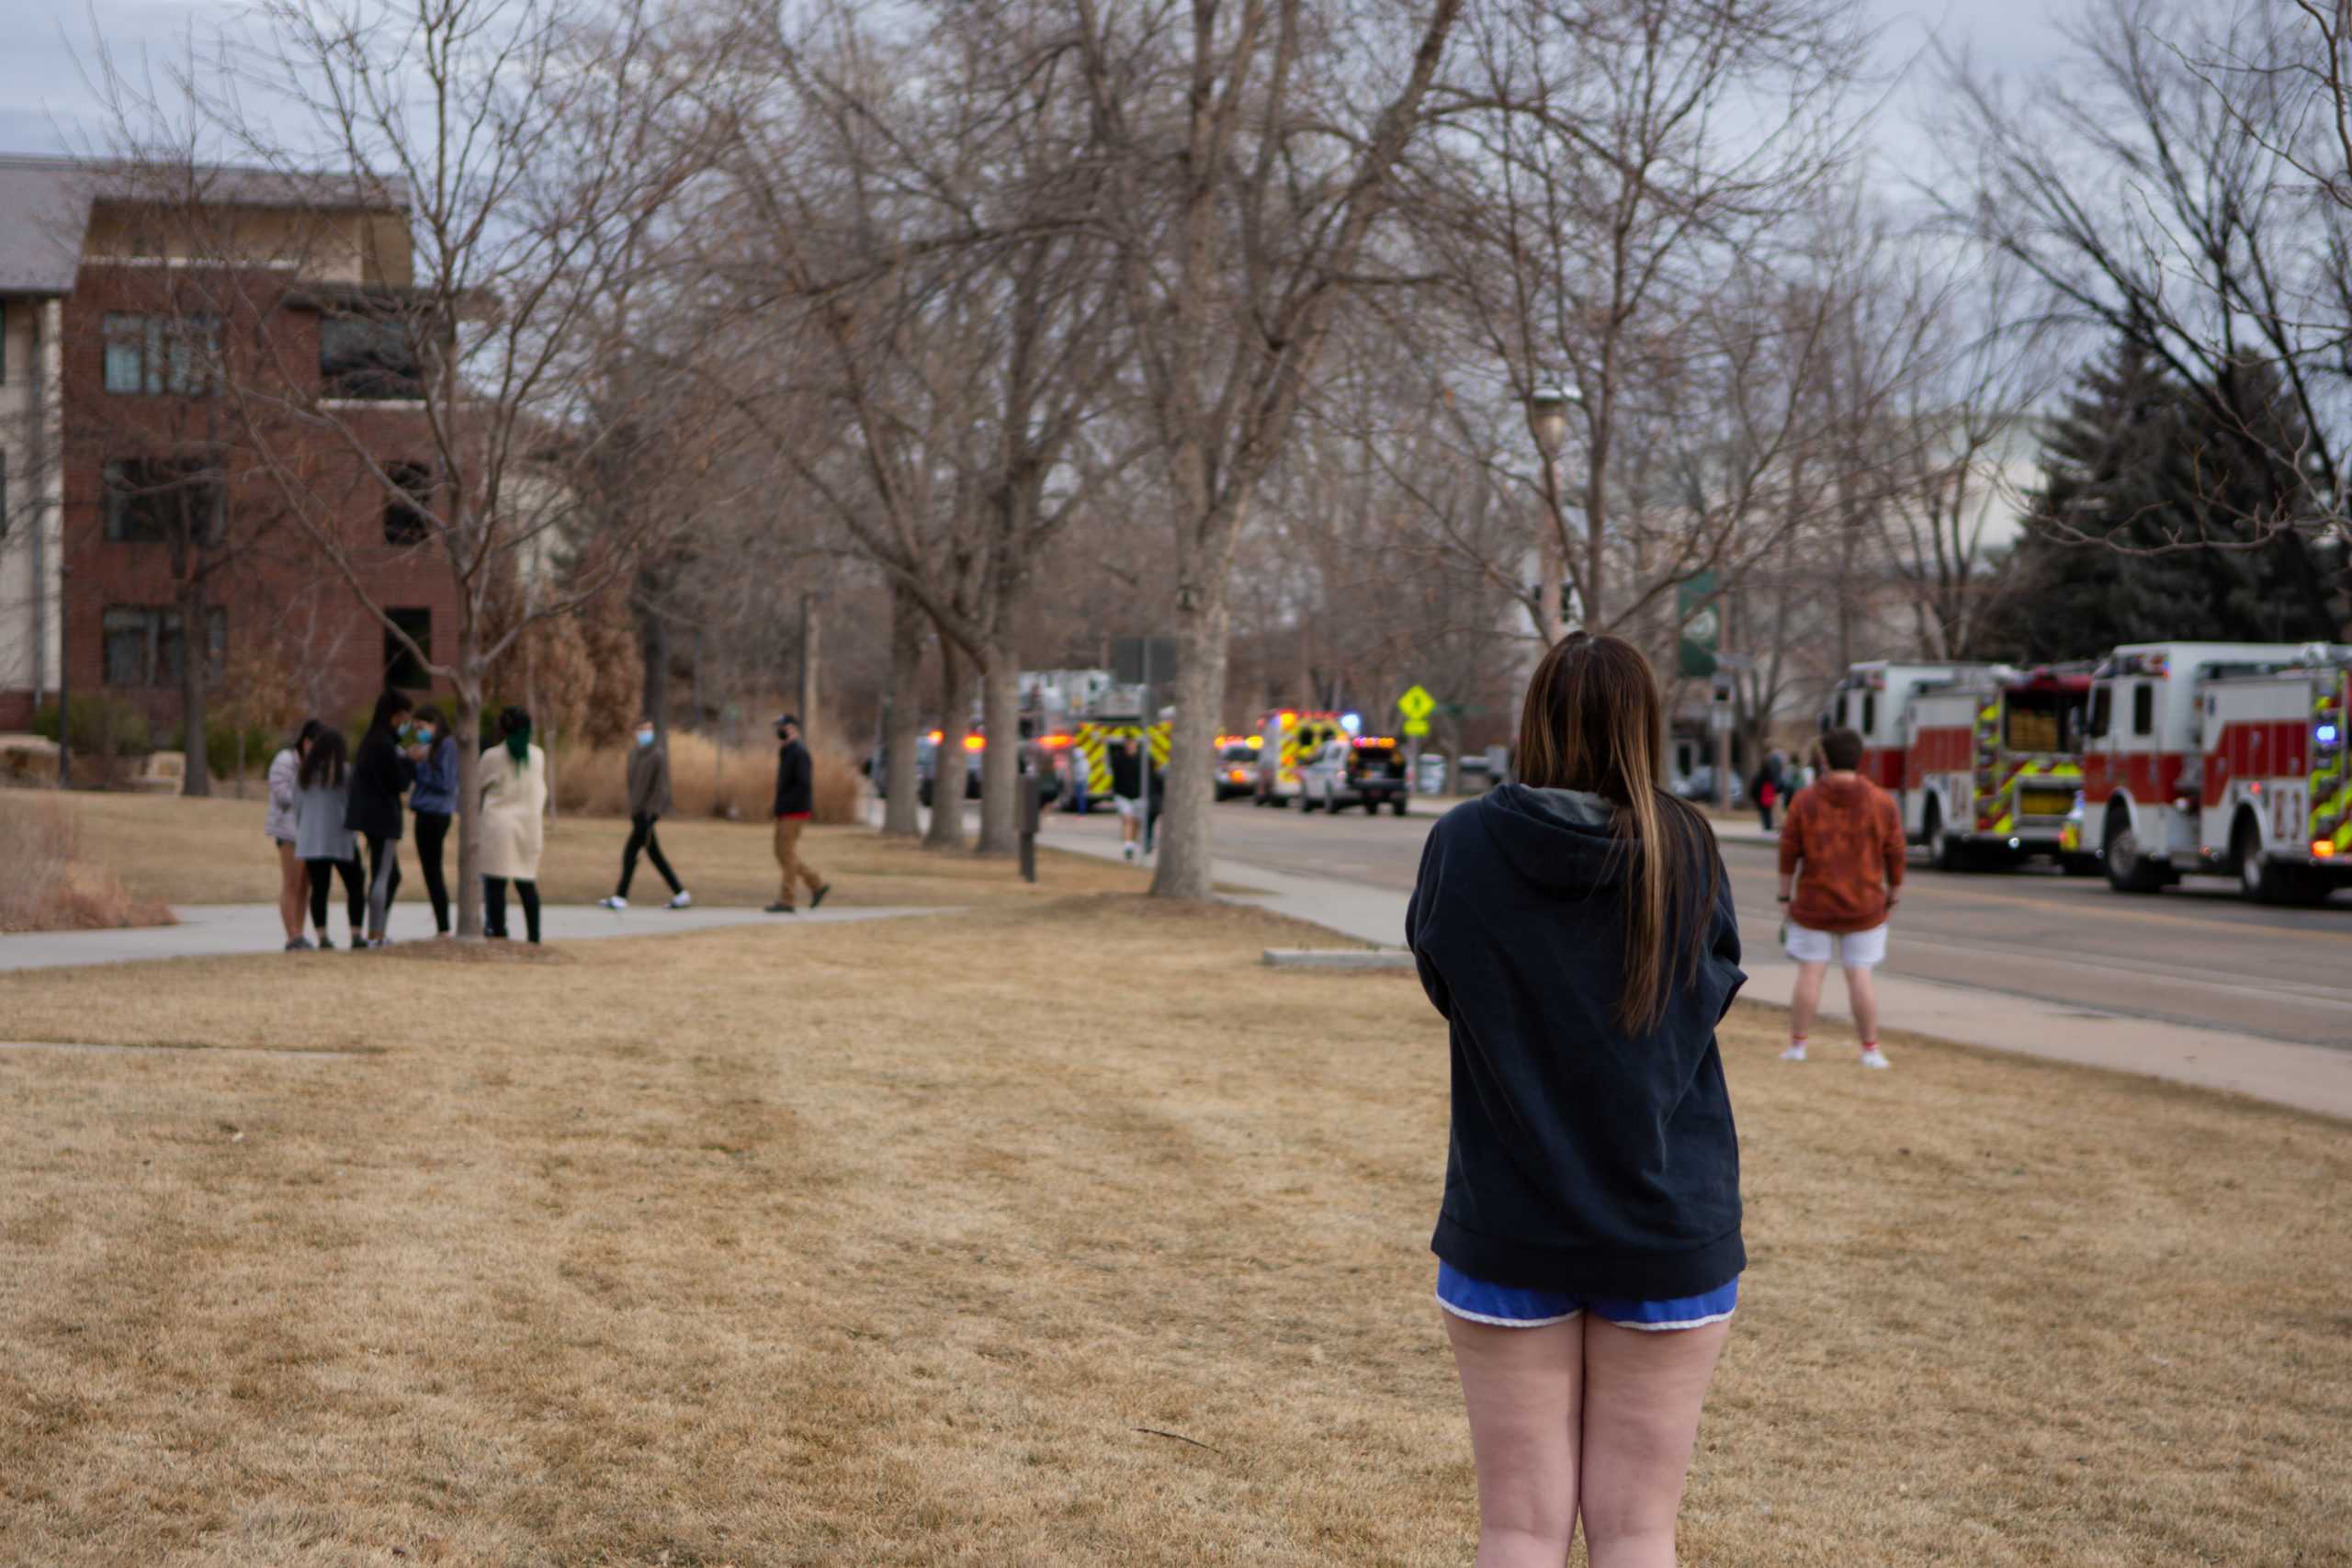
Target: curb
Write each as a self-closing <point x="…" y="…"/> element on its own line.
<point x="1338" y="958"/>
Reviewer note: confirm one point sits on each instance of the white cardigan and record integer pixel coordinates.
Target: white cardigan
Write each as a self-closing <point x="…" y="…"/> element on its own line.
<point x="514" y="813"/>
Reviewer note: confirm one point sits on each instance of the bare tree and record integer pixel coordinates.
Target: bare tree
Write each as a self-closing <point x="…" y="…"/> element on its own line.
<point x="502" y="172"/>
<point x="1250" y="152"/>
<point x="2179" y="182"/>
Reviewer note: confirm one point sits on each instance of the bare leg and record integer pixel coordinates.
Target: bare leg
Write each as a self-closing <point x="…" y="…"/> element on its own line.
<point x="1804" y="1001"/>
<point x="1861" y="995"/>
<point x="293" y="888"/>
<point x="1641" y="1394"/>
<point x="1520" y="1387"/>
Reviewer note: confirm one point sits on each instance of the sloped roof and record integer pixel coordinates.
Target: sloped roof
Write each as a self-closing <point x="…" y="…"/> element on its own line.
<point x="45" y="205"/>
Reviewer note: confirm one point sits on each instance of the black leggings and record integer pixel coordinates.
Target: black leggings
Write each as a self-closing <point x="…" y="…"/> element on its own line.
<point x="323" y="872"/>
<point x="431" y="829"/>
<point x="383" y="882"/>
<point x="493" y="894"/>
<point x="640" y="837"/>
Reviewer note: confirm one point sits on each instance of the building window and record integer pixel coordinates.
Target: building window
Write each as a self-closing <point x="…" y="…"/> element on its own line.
<point x="405" y="522"/>
<point x="155" y="500"/>
<point x="403" y="669"/>
<point x="367" y="358"/>
<point x="153" y="354"/>
<point x="144" y="646"/>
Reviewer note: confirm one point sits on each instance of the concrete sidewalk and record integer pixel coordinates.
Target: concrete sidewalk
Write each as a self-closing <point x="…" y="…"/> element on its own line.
<point x="2306" y="1078"/>
<point x="213" y="930"/>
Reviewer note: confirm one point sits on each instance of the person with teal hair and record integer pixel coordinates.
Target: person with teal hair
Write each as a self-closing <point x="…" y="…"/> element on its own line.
<point x="514" y="803"/>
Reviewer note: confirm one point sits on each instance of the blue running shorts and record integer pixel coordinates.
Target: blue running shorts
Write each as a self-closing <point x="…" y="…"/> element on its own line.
<point x="1515" y="1307"/>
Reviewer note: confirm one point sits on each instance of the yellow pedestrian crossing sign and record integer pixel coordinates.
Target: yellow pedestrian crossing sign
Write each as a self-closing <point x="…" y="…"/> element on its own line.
<point x="1417" y="706"/>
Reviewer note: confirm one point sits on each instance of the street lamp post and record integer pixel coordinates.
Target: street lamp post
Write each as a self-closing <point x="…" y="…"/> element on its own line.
<point x="1547" y="420"/>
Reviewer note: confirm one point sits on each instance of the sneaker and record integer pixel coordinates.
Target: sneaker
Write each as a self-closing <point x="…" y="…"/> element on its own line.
<point x="617" y="902"/>
<point x="819" y="897"/>
<point x="298" y="945"/>
<point x="326" y="943"/>
<point x="684" y="900"/>
<point x="1874" y="1057"/>
<point x="780" y="909"/>
<point x="1793" y="1054"/>
<point x="1128" y="851"/>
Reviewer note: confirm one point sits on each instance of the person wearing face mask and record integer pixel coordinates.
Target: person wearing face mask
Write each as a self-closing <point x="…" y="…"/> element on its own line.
<point x="432" y="801"/>
<point x="648" y="800"/>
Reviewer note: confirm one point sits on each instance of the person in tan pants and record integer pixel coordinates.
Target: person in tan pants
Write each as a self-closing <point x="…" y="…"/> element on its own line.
<point x="795" y="799"/>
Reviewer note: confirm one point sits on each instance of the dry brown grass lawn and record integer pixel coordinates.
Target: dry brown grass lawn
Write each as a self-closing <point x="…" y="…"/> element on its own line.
<point x="212" y="851"/>
<point x="881" y="1245"/>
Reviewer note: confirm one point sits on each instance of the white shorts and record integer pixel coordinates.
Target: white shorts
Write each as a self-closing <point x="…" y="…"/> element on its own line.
<point x="1851" y="950"/>
<point x="1128" y="805"/>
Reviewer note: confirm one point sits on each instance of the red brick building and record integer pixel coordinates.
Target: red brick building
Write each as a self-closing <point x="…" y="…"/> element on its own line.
<point x="184" y="381"/>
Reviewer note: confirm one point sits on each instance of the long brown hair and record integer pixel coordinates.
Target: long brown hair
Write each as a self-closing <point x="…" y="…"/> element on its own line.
<point x="1592" y="722"/>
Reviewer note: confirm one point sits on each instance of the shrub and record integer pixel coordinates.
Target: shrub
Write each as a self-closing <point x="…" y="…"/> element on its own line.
<point x="100" y="725"/>
<point x="705" y="780"/>
<point x="47" y="888"/>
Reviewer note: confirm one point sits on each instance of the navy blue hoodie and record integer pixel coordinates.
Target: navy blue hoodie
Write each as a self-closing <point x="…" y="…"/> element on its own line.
<point x="1581" y="1159"/>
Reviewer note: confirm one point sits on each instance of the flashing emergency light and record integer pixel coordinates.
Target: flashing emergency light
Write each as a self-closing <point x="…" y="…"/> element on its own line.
<point x="2326" y="734"/>
<point x="2322" y="849"/>
<point x="935" y="737"/>
<point x="1055" y="743"/>
<point x="1290" y="716"/>
<point x="1352" y="723"/>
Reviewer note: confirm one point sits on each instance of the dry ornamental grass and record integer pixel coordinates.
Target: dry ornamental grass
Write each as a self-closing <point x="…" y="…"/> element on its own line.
<point x="47" y="884"/>
<point x="1060" y="1232"/>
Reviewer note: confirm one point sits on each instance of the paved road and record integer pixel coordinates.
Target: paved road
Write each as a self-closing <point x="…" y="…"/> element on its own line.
<point x="2195" y="956"/>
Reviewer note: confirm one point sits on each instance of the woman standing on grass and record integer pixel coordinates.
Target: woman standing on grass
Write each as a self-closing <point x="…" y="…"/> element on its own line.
<point x="326" y="847"/>
<point x="514" y="806"/>
<point x="1576" y="930"/>
<point x="285" y="782"/>
<point x="381" y="771"/>
<point x="432" y="801"/>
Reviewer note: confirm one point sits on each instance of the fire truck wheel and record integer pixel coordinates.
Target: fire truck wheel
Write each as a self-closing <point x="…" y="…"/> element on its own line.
<point x="1949" y="851"/>
<point x="2127" y="870"/>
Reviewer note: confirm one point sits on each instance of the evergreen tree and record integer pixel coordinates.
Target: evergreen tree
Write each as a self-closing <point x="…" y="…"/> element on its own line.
<point x="2138" y="466"/>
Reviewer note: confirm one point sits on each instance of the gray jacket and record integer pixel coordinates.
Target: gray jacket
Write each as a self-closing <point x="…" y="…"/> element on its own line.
<point x="648" y="779"/>
<point x="319" y="833"/>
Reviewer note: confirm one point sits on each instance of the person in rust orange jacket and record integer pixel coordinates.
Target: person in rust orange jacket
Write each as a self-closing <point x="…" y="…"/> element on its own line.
<point x="1841" y="870"/>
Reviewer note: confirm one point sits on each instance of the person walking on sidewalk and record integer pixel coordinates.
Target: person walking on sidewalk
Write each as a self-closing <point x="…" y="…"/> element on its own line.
<point x="281" y="826"/>
<point x="1131" y="773"/>
<point x="1769" y="787"/>
<point x="514" y="817"/>
<point x="1576" y="930"/>
<point x="431" y="802"/>
<point x="796" y="801"/>
<point x="381" y="771"/>
<point x="1842" y="847"/>
<point x="648" y="802"/>
<point x="324" y="845"/>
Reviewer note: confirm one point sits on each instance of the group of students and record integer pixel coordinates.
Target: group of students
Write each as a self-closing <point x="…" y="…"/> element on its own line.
<point x="328" y="802"/>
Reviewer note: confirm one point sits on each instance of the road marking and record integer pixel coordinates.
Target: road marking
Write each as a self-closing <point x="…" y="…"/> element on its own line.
<point x="2210" y="979"/>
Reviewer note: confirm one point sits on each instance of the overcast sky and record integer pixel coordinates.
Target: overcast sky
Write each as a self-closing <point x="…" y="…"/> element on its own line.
<point x="47" y="107"/>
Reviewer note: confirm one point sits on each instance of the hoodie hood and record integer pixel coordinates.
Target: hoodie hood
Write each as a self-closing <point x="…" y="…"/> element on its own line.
<point x="1562" y="840"/>
<point x="1844" y="790"/>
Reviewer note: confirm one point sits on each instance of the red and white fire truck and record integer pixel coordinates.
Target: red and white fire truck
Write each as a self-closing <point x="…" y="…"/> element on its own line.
<point x="1985" y="759"/>
<point x="2223" y="759"/>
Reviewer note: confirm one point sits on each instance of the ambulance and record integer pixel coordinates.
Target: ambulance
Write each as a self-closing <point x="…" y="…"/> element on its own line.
<point x="1287" y="741"/>
<point x="1993" y="769"/>
<point x="2222" y="758"/>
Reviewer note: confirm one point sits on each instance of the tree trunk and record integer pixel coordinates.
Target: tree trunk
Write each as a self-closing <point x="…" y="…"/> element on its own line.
<point x="947" y="772"/>
<point x="654" y="642"/>
<point x="901" y="815"/>
<point x="196" y="648"/>
<point x="468" y="730"/>
<point x="1000" y="763"/>
<point x="1186" y="846"/>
